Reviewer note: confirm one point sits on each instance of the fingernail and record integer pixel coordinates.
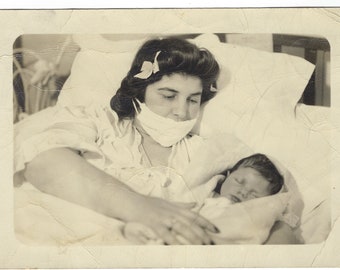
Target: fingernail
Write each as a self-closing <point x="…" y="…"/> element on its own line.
<point x="216" y="229"/>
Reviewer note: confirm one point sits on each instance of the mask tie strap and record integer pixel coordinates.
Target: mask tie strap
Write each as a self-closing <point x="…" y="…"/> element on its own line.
<point x="134" y="101"/>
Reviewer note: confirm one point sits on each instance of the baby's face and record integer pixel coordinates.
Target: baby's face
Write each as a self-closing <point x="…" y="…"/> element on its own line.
<point x="245" y="184"/>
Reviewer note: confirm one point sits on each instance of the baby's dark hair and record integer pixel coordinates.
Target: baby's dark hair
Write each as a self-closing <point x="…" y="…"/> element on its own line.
<point x="263" y="165"/>
<point x="174" y="56"/>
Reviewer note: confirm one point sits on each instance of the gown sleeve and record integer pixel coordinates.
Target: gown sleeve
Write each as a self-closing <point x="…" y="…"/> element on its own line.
<point x="55" y="127"/>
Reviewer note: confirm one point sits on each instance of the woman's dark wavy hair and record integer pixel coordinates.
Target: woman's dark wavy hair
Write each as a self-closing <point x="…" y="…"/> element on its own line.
<point x="176" y="56"/>
<point x="264" y="166"/>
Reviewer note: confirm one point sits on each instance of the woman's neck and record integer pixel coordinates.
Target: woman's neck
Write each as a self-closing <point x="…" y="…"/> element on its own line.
<point x="157" y="154"/>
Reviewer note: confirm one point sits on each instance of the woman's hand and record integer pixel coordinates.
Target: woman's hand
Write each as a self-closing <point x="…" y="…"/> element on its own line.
<point x="140" y="234"/>
<point x="174" y="223"/>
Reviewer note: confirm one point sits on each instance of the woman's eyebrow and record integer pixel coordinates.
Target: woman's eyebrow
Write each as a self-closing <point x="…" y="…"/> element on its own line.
<point x="167" y="89"/>
<point x="198" y="93"/>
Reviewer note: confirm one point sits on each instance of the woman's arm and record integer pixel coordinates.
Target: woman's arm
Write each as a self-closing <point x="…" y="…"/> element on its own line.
<point x="281" y="234"/>
<point x="63" y="173"/>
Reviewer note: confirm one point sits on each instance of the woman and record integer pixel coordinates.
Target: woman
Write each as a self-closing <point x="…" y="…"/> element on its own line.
<point x="86" y="155"/>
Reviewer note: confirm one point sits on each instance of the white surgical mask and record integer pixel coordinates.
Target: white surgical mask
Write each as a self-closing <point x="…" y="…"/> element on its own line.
<point x="163" y="130"/>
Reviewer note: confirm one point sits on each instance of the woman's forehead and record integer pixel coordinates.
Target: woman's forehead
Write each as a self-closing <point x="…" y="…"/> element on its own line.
<point x="182" y="83"/>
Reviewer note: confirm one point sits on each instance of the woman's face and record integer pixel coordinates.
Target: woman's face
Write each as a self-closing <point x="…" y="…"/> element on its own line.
<point x="176" y="96"/>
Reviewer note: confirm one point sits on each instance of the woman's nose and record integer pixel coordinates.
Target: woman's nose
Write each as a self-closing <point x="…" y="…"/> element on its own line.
<point x="180" y="110"/>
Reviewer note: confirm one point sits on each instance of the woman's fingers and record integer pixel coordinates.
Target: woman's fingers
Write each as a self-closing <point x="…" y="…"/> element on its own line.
<point x="202" y="222"/>
<point x="150" y="234"/>
<point x="199" y="226"/>
<point x="181" y="230"/>
<point x="193" y="236"/>
<point x="195" y="218"/>
<point x="192" y="226"/>
<point x="167" y="236"/>
<point x="200" y="233"/>
<point x="175" y="224"/>
<point x="188" y="228"/>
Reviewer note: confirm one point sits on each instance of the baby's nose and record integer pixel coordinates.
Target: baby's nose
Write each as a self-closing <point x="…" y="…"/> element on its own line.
<point x="244" y="193"/>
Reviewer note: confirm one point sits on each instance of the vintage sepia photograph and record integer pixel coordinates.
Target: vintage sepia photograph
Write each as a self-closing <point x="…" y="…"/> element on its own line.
<point x="215" y="137"/>
<point x="110" y="123"/>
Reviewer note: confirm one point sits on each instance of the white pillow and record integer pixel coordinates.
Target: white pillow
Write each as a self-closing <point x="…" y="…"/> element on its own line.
<point x="97" y="70"/>
<point x="247" y="75"/>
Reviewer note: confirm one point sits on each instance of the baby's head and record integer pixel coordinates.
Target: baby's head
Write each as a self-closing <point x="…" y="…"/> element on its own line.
<point x="252" y="177"/>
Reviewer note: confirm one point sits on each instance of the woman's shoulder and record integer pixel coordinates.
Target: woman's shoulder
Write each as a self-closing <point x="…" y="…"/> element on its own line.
<point x="97" y="113"/>
<point x="107" y="119"/>
<point x="83" y="111"/>
<point x="100" y="119"/>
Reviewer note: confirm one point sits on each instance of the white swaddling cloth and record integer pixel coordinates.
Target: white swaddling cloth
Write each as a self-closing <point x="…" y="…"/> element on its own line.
<point x="248" y="222"/>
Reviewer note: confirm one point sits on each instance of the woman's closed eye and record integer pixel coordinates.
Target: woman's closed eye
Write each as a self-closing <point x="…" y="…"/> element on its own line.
<point x="190" y="100"/>
<point x="169" y="97"/>
<point x="194" y="100"/>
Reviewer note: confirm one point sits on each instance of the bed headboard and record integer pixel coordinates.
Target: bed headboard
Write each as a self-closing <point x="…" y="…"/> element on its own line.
<point x="317" y="51"/>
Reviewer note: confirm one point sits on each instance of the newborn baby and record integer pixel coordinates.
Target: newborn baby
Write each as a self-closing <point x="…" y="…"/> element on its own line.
<point x="253" y="177"/>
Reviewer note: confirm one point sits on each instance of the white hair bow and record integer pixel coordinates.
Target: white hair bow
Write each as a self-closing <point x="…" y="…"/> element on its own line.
<point x="148" y="68"/>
